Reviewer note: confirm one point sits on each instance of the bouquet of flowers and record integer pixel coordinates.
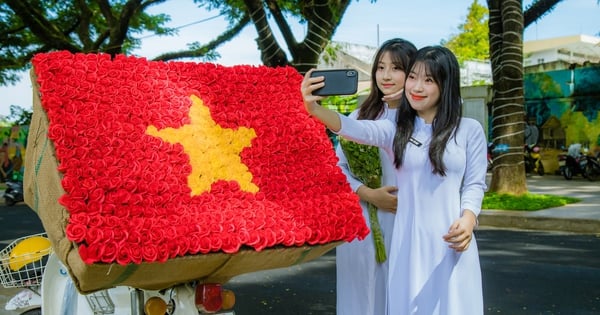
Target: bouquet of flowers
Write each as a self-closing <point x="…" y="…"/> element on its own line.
<point x="365" y="164"/>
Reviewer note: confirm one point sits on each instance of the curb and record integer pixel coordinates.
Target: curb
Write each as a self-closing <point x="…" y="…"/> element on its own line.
<point x="520" y="220"/>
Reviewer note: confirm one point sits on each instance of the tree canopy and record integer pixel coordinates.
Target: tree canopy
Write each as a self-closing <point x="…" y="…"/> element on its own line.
<point x="28" y="27"/>
<point x="472" y="42"/>
<point x="32" y="26"/>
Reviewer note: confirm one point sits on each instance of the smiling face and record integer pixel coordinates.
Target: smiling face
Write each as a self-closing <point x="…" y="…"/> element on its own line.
<point x="389" y="77"/>
<point x="422" y="92"/>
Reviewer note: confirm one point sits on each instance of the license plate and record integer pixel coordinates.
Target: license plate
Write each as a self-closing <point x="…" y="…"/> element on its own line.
<point x="561" y="163"/>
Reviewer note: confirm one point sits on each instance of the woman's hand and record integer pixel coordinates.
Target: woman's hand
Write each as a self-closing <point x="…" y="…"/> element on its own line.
<point x="310" y="84"/>
<point x="393" y="97"/>
<point x="328" y="117"/>
<point x="383" y="198"/>
<point x="460" y="234"/>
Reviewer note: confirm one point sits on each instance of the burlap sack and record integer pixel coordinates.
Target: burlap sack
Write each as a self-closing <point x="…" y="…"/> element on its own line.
<point x="42" y="188"/>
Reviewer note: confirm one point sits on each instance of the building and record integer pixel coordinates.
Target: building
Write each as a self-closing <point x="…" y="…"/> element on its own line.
<point x="538" y="56"/>
<point x="560" y="53"/>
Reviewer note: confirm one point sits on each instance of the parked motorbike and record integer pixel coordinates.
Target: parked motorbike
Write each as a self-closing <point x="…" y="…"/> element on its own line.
<point x="29" y="263"/>
<point x="13" y="192"/>
<point x="533" y="160"/>
<point x="592" y="168"/>
<point x="573" y="163"/>
<point x="490" y="156"/>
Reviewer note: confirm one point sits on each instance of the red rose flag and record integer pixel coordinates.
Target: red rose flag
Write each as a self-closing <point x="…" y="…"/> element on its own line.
<point x="161" y="160"/>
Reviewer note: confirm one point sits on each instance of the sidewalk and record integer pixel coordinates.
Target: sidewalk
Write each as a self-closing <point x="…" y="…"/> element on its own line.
<point x="581" y="217"/>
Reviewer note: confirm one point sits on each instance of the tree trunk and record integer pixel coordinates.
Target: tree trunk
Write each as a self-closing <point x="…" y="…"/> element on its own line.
<point x="322" y="18"/>
<point x="507" y="110"/>
<point x="271" y="53"/>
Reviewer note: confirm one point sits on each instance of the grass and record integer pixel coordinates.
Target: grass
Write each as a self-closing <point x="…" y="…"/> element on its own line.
<point x="526" y="202"/>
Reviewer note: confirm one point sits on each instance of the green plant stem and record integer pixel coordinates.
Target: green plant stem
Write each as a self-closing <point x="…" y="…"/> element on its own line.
<point x="380" y="254"/>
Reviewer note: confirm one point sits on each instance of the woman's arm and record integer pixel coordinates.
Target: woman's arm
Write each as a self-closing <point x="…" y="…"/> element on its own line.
<point x="474" y="184"/>
<point x="372" y="132"/>
<point x="460" y="234"/>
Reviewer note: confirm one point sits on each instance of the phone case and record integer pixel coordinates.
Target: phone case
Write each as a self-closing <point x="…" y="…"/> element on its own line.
<point x="337" y="82"/>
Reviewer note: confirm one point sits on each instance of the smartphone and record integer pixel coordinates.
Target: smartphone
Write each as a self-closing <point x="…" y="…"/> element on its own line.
<point x="337" y="82"/>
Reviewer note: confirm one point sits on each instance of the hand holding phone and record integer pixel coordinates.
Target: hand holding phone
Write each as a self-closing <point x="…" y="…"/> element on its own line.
<point x="337" y="82"/>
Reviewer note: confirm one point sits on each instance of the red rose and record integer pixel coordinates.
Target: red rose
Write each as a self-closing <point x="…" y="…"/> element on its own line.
<point x="109" y="253"/>
<point x="134" y="237"/>
<point x="163" y="253"/>
<point x="204" y="245"/>
<point x="76" y="232"/>
<point x="231" y="243"/>
<point x="120" y="235"/>
<point x="149" y="252"/>
<point x="90" y="253"/>
<point x="96" y="221"/>
<point x="94" y="235"/>
<point x="216" y="243"/>
<point x="135" y="253"/>
<point x="123" y="256"/>
<point x="155" y="236"/>
<point x="79" y="218"/>
<point x="256" y="241"/>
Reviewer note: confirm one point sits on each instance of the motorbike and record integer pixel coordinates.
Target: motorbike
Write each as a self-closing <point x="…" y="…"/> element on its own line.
<point x="533" y="160"/>
<point x="13" y="192"/>
<point x="29" y="263"/>
<point x="592" y="168"/>
<point x="490" y="156"/>
<point x="573" y="163"/>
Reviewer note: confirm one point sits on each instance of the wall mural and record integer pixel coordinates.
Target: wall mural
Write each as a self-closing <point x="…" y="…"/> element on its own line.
<point x="12" y="152"/>
<point x="564" y="104"/>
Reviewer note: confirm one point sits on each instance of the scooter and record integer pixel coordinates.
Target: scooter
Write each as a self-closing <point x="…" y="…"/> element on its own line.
<point x="533" y="160"/>
<point x="573" y="163"/>
<point x="50" y="290"/>
<point x="13" y="192"/>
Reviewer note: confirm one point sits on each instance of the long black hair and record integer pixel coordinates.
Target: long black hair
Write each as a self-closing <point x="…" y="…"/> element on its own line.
<point x="401" y="52"/>
<point x="441" y="64"/>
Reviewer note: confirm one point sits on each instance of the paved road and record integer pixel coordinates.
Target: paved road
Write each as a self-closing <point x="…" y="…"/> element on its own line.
<point x="17" y="221"/>
<point x="527" y="272"/>
<point x="524" y="272"/>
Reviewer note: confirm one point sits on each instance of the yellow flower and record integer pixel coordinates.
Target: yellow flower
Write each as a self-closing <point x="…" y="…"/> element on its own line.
<point x="214" y="151"/>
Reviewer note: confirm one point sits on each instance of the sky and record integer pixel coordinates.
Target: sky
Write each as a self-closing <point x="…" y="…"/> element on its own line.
<point x="424" y="22"/>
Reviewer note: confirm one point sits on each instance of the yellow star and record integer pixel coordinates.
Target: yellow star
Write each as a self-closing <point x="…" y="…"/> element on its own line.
<point x="214" y="151"/>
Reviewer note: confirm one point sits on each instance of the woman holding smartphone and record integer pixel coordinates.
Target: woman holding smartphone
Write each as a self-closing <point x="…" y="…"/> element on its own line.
<point x="361" y="280"/>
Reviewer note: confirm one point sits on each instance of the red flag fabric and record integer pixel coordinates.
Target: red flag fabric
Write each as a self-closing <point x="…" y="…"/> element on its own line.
<point x="166" y="159"/>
